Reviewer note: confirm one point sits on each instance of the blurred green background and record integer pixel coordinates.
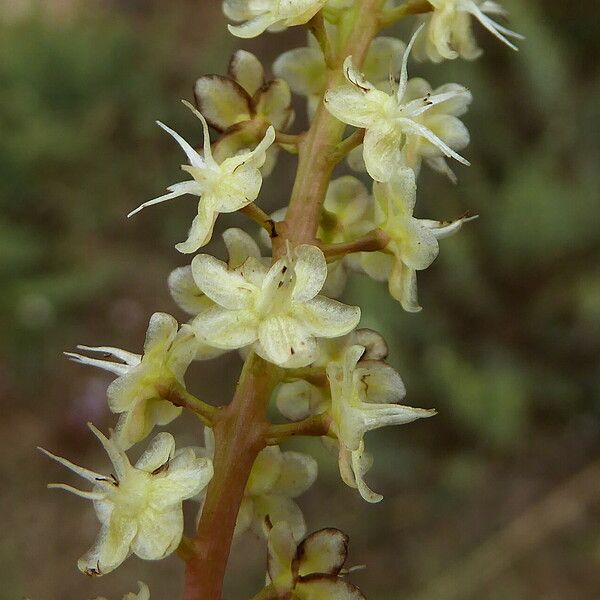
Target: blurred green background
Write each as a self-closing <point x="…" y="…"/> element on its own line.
<point x="498" y="497"/>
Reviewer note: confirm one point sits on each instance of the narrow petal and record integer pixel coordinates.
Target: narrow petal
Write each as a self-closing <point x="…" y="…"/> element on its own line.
<point x="361" y="463"/>
<point x="403" y="68"/>
<point x="281" y="551"/>
<point x="193" y="157"/>
<point x="179" y="189"/>
<point x="128" y="358"/>
<point x="91" y="476"/>
<point x="403" y="286"/>
<point x="443" y="229"/>
<point x="116" y="368"/>
<point x="115" y="453"/>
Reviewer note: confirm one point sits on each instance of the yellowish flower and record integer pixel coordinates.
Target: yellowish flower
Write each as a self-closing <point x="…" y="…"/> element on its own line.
<point x="168" y="352"/>
<point x="278" y="309"/>
<point x="139" y="507"/>
<point x="413" y="242"/>
<point x="388" y="119"/>
<point x="448" y="33"/>
<point x="257" y="16"/>
<point x="312" y="569"/>
<point x="363" y="398"/>
<point x="223" y="187"/>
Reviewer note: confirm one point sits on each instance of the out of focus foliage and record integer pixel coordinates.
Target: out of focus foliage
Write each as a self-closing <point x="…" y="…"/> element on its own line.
<point x="506" y="347"/>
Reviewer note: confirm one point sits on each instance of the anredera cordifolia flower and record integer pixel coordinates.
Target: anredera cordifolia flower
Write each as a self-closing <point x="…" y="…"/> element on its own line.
<point x="388" y="119"/>
<point x="278" y="309"/>
<point x="143" y="593"/>
<point x="305" y="71"/>
<point x="223" y="187"/>
<point x="135" y="394"/>
<point x="242" y="105"/>
<point x="354" y="412"/>
<point x="139" y="507"/>
<point x="413" y="243"/>
<point x="310" y="570"/>
<point x="277" y="478"/>
<point x="448" y="33"/>
<point x="256" y="16"/>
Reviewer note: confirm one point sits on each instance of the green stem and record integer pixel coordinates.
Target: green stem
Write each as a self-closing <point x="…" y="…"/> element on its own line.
<point x="412" y="7"/>
<point x="372" y="242"/>
<point x="312" y="426"/>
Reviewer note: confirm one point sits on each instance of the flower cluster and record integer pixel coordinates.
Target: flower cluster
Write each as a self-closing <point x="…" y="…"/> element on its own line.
<point x="278" y="308"/>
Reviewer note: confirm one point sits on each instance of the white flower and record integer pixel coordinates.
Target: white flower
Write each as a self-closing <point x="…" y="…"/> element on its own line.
<point x="312" y="569"/>
<point x="168" y="352"/>
<point x="276" y="479"/>
<point x="143" y="594"/>
<point x="223" y="188"/>
<point x="354" y="412"/>
<point x="448" y="32"/>
<point x="413" y="242"/>
<point x="388" y="120"/>
<point x="275" y="15"/>
<point x="139" y="507"/>
<point x="279" y="308"/>
<point x="304" y="68"/>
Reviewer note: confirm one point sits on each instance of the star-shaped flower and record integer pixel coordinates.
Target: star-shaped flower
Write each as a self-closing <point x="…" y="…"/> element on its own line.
<point x="310" y="570"/>
<point x="304" y="68"/>
<point x="256" y="16"/>
<point x="168" y="352"/>
<point x="363" y="398"/>
<point x="223" y="187"/>
<point x="448" y="33"/>
<point x="413" y="242"/>
<point x="279" y="308"/>
<point x="139" y="507"/>
<point x="389" y="121"/>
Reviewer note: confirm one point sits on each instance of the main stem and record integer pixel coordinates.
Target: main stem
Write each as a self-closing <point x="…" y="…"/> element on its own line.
<point x="239" y="436"/>
<point x="240" y="429"/>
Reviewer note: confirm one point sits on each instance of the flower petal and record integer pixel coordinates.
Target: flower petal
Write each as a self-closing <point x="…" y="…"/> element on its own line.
<point x="226" y="329"/>
<point x="222" y="101"/>
<point x="403" y="286"/>
<point x="325" y="317"/>
<point x="382" y="150"/>
<point x="247" y="70"/>
<point x="274" y="102"/>
<point x="186" y="293"/>
<point x="221" y="284"/>
<point x="303" y="69"/>
<point x="200" y="231"/>
<point x="159" y="533"/>
<point x="310" y="270"/>
<point x="297" y="474"/>
<point x="323" y="551"/>
<point x="326" y="587"/>
<point x="158" y="453"/>
<point x="265" y="471"/>
<point x="240" y="245"/>
<point x="281" y="551"/>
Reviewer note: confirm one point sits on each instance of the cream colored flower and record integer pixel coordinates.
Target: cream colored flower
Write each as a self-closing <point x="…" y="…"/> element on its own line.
<point x="442" y="119"/>
<point x="242" y="105"/>
<point x="388" y="120"/>
<point x="277" y="478"/>
<point x="223" y="187"/>
<point x="143" y="594"/>
<point x="304" y="68"/>
<point x="363" y="398"/>
<point x="448" y="33"/>
<point x="168" y="352"/>
<point x="279" y="309"/>
<point x="310" y="570"/>
<point x="257" y="16"/>
<point x="413" y="242"/>
<point x="139" y="507"/>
